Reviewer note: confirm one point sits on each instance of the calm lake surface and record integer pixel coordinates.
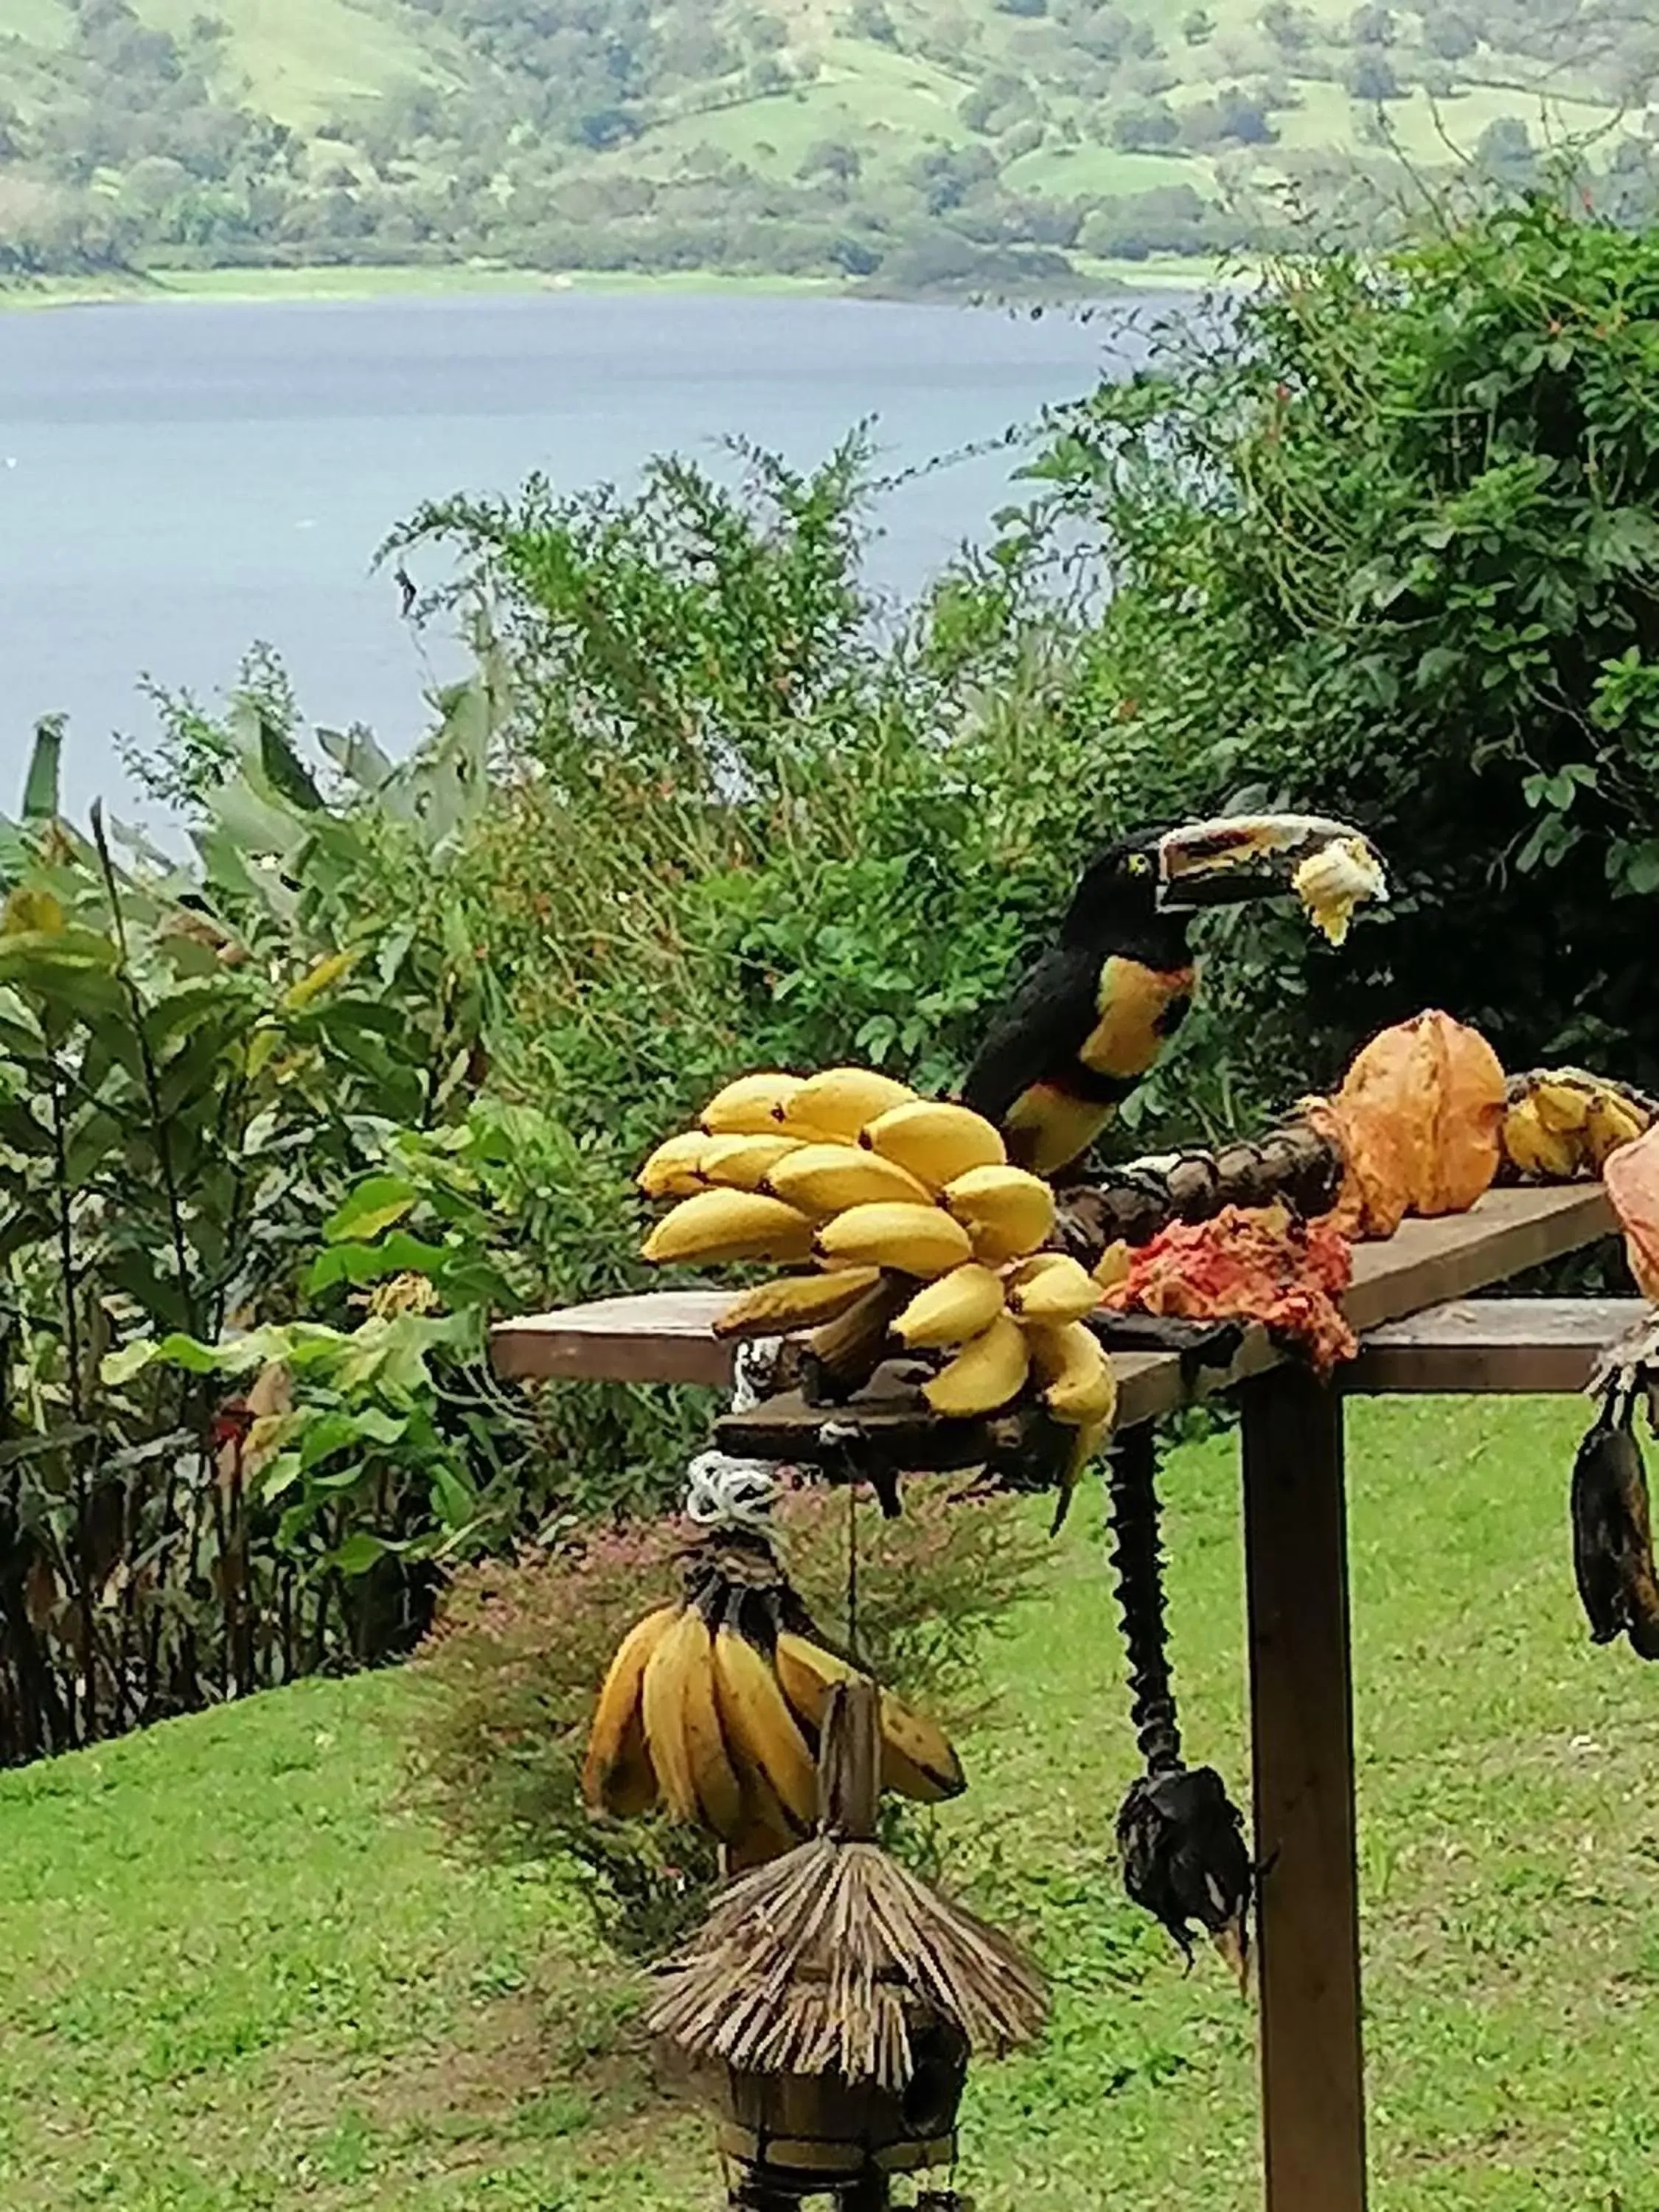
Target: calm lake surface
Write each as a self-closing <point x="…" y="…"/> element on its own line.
<point x="177" y="480"/>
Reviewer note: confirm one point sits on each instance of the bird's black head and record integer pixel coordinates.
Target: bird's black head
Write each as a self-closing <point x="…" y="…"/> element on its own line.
<point x="1116" y="905"/>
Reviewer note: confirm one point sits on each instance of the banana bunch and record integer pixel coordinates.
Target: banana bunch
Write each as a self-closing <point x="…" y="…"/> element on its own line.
<point x="1561" y="1123"/>
<point x="720" y="1724"/>
<point x="920" y="1231"/>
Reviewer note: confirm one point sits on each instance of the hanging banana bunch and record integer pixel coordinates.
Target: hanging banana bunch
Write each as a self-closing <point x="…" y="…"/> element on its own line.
<point x="712" y="1707"/>
<point x="921" y="1236"/>
<point x="1562" y="1123"/>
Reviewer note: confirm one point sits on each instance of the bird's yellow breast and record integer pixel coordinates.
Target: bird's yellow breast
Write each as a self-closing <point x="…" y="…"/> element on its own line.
<point x="1137" y="1008"/>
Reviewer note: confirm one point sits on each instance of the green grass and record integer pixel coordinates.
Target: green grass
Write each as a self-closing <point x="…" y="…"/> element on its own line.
<point x="241" y="1978"/>
<point x="256" y="285"/>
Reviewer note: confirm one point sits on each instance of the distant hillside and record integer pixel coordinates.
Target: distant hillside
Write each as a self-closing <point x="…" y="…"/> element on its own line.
<point x="910" y="143"/>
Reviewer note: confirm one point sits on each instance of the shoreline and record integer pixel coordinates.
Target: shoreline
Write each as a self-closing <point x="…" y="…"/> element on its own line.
<point x="267" y="287"/>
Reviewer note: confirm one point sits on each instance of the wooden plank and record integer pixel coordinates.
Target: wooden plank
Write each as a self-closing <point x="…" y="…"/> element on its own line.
<point x="1513" y="1346"/>
<point x="1426" y="1263"/>
<point x="665" y="1336"/>
<point x="659" y="1336"/>
<point x="1301" y="1723"/>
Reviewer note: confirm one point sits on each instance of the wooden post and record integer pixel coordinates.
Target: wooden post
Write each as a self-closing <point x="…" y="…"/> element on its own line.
<point x="1302" y="1714"/>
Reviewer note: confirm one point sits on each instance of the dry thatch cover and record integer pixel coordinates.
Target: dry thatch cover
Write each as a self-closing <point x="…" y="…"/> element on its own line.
<point x="824" y="1961"/>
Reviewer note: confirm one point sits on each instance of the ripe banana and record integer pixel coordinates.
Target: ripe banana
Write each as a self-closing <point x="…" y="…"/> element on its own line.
<point x="1078" y="1384"/>
<point x="748" y="1106"/>
<point x="795" y="1302"/>
<point x="719" y="1793"/>
<point x="917" y="1759"/>
<point x="1090" y="1437"/>
<point x="837" y="1102"/>
<point x="674" y="1169"/>
<point x="1113" y="1265"/>
<point x="729" y="1225"/>
<point x="1614" y="1121"/>
<point x="618" y="1766"/>
<point x="951" y="1310"/>
<point x="1006" y="1211"/>
<point x="985" y="1374"/>
<point x="935" y="1139"/>
<point x="760" y="1731"/>
<point x="1053" y="1289"/>
<point x="742" y="1163"/>
<point x="916" y="1240"/>
<point x="1532" y="1150"/>
<point x="1562" y="1100"/>
<point x="678" y="1654"/>
<point x="826" y="1179"/>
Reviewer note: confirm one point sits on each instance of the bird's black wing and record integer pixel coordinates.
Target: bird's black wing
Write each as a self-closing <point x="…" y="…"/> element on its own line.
<point x="1037" y="1033"/>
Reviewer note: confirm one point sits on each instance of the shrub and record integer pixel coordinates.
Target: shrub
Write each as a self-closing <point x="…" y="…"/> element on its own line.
<point x="1389" y="544"/>
<point x="506" y="1682"/>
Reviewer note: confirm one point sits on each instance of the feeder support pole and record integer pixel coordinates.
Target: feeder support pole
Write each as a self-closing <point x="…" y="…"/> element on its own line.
<point x="1302" y="1722"/>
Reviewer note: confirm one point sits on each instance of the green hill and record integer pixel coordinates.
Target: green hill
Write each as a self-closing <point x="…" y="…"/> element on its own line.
<point x="912" y="143"/>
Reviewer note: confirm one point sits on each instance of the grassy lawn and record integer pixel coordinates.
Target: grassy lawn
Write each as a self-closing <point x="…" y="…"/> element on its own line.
<point x="242" y="1976"/>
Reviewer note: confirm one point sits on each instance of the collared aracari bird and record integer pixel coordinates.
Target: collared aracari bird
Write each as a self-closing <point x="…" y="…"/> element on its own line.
<point x="1090" y="1016"/>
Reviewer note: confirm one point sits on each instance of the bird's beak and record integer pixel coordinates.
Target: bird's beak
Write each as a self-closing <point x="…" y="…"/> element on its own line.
<point x="1245" y="856"/>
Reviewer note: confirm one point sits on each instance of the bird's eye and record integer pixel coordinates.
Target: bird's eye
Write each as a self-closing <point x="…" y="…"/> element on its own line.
<point x="1139" y="864"/>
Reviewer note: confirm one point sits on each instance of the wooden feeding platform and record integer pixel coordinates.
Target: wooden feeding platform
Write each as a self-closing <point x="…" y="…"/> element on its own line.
<point x="1423" y="1328"/>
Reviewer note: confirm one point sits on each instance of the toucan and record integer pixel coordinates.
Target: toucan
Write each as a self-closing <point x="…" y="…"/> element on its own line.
<point x="1090" y="1016"/>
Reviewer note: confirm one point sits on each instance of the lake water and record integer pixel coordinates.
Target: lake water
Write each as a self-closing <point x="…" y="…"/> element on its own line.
<point x="177" y="480"/>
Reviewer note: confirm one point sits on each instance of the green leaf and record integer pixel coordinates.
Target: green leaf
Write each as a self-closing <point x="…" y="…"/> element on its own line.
<point x="21" y="1131"/>
<point x="359" y="1553"/>
<point x="289" y="775"/>
<point x="373" y="1206"/>
<point x="400" y="1254"/>
<point x="41" y="787"/>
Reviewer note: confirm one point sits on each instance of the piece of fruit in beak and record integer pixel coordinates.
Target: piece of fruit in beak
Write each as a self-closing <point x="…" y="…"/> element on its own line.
<point x="1332" y="882"/>
<point x="1243" y="856"/>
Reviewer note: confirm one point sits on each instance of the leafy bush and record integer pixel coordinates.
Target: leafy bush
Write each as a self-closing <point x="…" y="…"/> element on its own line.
<point x="195" y="1071"/>
<point x="1386" y="539"/>
<point x="507" y="1677"/>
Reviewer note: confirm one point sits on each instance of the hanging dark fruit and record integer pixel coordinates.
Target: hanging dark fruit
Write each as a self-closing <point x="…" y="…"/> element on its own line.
<point x="1612" y="1526"/>
<point x="1181" y="1838"/>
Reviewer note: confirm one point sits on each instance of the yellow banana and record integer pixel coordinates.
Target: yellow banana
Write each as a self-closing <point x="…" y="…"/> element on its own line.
<point x="1532" y="1150"/>
<point x="677" y="1653"/>
<point x="618" y="1765"/>
<point x="1053" y="1289"/>
<point x="1612" y="1122"/>
<point x="989" y="1371"/>
<point x="760" y="1732"/>
<point x="1090" y="1437"/>
<point x="742" y="1163"/>
<point x="673" y="1170"/>
<point x="839" y="1101"/>
<point x="719" y="1793"/>
<point x="1563" y="1101"/>
<point x="748" y="1106"/>
<point x="1113" y="1265"/>
<point x="917" y="1759"/>
<point x="916" y="1240"/>
<point x="935" y="1139"/>
<point x="795" y="1302"/>
<point x="1006" y="1211"/>
<point x="1078" y="1384"/>
<point x="729" y="1225"/>
<point x="953" y="1309"/>
<point x="826" y="1179"/>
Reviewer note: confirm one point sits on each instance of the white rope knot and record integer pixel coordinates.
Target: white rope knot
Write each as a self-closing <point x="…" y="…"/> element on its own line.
<point x="731" y="1493"/>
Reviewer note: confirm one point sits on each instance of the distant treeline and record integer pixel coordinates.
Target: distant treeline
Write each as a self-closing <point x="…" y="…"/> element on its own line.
<point x="619" y="135"/>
